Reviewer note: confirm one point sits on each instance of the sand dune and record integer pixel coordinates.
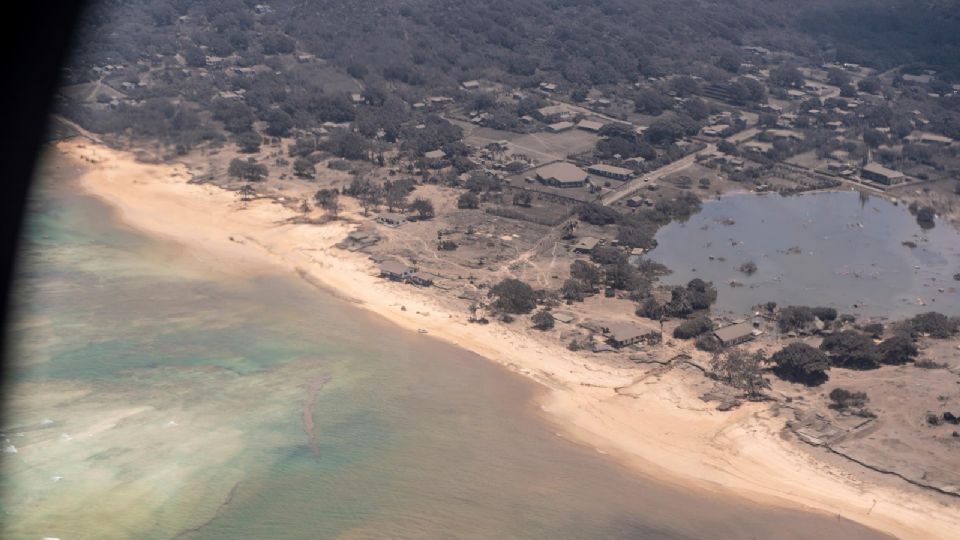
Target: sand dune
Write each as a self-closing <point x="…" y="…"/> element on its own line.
<point x="661" y="429"/>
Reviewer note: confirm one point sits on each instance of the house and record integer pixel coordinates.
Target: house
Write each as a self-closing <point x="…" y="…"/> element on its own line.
<point x="586" y="245"/>
<point x="590" y="125"/>
<point x="395" y="271"/>
<point x="880" y="174"/>
<point x="563" y="317"/>
<point x="784" y="135"/>
<point x="932" y="139"/>
<point x="548" y="87"/>
<point x="635" y="202"/>
<point x="470" y="85"/>
<point x="559" y="127"/>
<point x="716" y="130"/>
<point x="562" y="174"/>
<point x="356" y="97"/>
<point x="734" y="334"/>
<point x="623" y="335"/>
<point x="391" y="219"/>
<point x="421" y="279"/>
<point x="435" y="154"/>
<point x="635" y="161"/>
<point x="758" y="146"/>
<point x="617" y="173"/>
<point x="554" y="111"/>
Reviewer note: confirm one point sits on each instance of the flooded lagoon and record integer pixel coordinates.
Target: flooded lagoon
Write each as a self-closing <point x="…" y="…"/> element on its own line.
<point x="153" y="398"/>
<point x="839" y="249"/>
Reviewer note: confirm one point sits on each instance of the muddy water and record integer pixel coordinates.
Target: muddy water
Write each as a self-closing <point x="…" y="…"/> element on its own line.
<point x="151" y="398"/>
<point x="843" y="250"/>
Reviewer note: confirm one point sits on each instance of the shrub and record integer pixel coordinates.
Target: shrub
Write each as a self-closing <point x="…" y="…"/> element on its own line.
<point x="898" y="349"/>
<point x="693" y="328"/>
<point x="468" y="200"/>
<point x="825" y="314"/>
<point x="845" y="399"/>
<point x="801" y="363"/>
<point x="794" y="318"/>
<point x="936" y="324"/>
<point x="749" y="268"/>
<point x="542" y="320"/>
<point x="708" y="342"/>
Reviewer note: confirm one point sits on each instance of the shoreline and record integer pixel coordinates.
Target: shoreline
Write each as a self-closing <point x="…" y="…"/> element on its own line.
<point x="660" y="430"/>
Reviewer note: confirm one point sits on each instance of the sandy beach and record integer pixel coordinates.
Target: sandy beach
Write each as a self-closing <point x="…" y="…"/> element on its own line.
<point x="658" y="427"/>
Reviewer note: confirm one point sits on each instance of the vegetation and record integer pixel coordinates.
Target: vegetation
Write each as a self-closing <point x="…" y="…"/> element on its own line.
<point x="741" y="370"/>
<point x="514" y="296"/>
<point x="468" y="200"/>
<point x="328" y="199"/>
<point x="937" y="325"/>
<point x="898" y="349"/>
<point x="801" y="363"/>
<point x="423" y="207"/>
<point x="844" y="399"/>
<point x="247" y="169"/>
<point x="692" y="328"/>
<point x="851" y="349"/>
<point x="542" y="320"/>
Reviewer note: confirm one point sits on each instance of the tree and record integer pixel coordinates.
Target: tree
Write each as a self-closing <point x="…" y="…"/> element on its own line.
<point x="423" y="207"/>
<point x="513" y="296"/>
<point x="468" y="200"/>
<point x="249" y="142"/>
<point x="786" y="76"/>
<point x="741" y="370"/>
<point x="247" y="192"/>
<point x="749" y="268"/>
<point x="247" y="169"/>
<point x="851" y="349"/>
<point x="542" y="320"/>
<point x="693" y="327"/>
<point x="586" y="273"/>
<point x="825" y="314"/>
<point x="522" y="198"/>
<point x="801" y="363"/>
<point x="304" y="168"/>
<point x="396" y="195"/>
<point x="898" y="349"/>
<point x="573" y="290"/>
<point x="279" y="123"/>
<point x="328" y="199"/>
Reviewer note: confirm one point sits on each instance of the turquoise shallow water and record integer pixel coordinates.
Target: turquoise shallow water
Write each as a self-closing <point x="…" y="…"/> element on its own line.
<point x="154" y="399"/>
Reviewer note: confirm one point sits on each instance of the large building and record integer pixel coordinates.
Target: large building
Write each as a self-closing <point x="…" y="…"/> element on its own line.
<point x="880" y="174"/>
<point x="623" y="335"/>
<point x="563" y="175"/>
<point x="617" y="173"/>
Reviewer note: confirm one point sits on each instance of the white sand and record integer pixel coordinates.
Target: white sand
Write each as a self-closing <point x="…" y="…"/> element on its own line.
<point x="661" y="429"/>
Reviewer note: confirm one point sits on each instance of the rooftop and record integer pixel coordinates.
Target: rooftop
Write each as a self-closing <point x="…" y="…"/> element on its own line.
<point x="562" y="172"/>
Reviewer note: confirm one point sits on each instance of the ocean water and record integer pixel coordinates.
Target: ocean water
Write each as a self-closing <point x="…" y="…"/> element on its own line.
<point x="840" y="249"/>
<point x="152" y="397"/>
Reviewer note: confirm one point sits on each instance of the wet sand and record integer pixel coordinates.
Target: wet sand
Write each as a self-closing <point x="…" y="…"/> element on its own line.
<point x="662" y="430"/>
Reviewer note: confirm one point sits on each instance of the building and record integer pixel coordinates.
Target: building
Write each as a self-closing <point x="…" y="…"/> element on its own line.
<point x="559" y="127"/>
<point x="923" y="137"/>
<point x="623" y="335"/>
<point x="716" y="130"/>
<point x="470" y="85"/>
<point x="435" y="154"/>
<point x="552" y="111"/>
<point x="590" y="125"/>
<point x="395" y="271"/>
<point x="880" y="174"/>
<point x="356" y="98"/>
<point x="586" y="245"/>
<point x="421" y="279"/>
<point x="617" y="173"/>
<point x="562" y="174"/>
<point x="734" y="334"/>
<point x="391" y="219"/>
<point x="784" y="135"/>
